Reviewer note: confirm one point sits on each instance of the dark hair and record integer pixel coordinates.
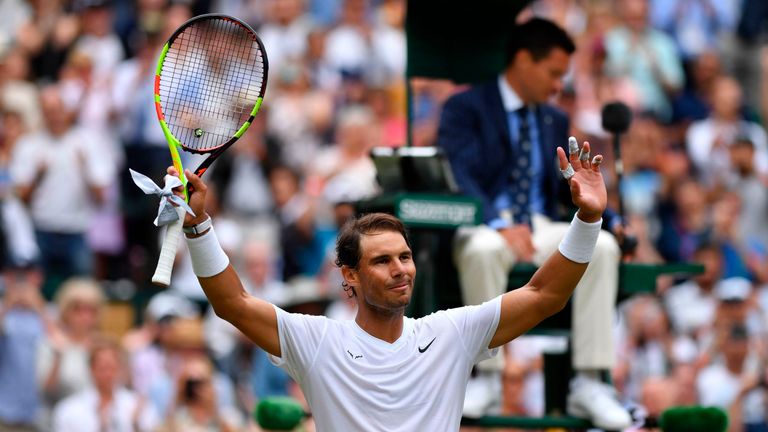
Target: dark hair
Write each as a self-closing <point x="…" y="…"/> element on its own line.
<point x="538" y="37"/>
<point x="348" y="251"/>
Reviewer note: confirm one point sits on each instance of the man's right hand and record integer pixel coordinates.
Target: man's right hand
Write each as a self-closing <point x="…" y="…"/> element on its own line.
<point x="197" y="192"/>
<point x="255" y="318"/>
<point x="520" y="240"/>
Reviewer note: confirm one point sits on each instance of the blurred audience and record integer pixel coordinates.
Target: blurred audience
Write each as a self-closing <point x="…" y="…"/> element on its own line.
<point x="104" y="405"/>
<point x="644" y="56"/>
<point x="77" y="110"/>
<point x="708" y="140"/>
<point x="63" y="153"/>
<point x="24" y="323"/>
<point x="195" y="408"/>
<point x="62" y="361"/>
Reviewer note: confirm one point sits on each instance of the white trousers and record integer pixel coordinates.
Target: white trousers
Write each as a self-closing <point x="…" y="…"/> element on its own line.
<point x="484" y="259"/>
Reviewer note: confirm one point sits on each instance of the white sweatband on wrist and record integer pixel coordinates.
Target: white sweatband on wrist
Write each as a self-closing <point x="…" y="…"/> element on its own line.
<point x="208" y="258"/>
<point x="580" y="239"/>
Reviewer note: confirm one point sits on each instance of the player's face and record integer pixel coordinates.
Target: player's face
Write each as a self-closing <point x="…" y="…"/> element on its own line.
<point x="384" y="278"/>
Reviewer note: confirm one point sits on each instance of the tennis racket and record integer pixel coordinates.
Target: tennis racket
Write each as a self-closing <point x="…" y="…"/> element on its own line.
<point x="210" y="81"/>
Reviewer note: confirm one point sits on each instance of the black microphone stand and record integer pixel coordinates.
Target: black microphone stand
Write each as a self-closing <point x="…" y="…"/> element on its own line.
<point x="616" y="118"/>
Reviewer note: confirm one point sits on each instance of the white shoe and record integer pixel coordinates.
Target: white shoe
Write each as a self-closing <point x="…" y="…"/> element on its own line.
<point x="596" y="401"/>
<point x="483" y="394"/>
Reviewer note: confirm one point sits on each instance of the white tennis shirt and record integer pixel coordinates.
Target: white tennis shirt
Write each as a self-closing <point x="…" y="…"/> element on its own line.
<point x="356" y="382"/>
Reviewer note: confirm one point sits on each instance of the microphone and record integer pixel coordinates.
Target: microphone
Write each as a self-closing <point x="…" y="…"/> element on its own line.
<point x="278" y="413"/>
<point x="616" y="118"/>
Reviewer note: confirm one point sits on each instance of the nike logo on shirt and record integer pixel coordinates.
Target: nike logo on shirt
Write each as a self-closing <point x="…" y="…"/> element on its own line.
<point x="421" y="350"/>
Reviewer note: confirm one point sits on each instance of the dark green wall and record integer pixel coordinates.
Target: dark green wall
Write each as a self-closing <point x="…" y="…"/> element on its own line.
<point x="462" y="40"/>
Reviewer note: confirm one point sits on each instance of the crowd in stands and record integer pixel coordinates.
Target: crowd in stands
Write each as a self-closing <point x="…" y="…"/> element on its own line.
<point x="88" y="343"/>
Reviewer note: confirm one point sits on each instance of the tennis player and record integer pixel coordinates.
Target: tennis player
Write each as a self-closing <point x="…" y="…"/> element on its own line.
<point x="384" y="371"/>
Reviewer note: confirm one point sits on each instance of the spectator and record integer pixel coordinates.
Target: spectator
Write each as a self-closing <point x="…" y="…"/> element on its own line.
<point x="98" y="37"/>
<point x="695" y="103"/>
<point x="527" y="353"/>
<point x="299" y="116"/>
<point x="348" y="46"/>
<point x="684" y="376"/>
<point x="708" y="141"/>
<point x="743" y="257"/>
<point x="62" y="362"/>
<point x="750" y="187"/>
<point x="645" y="56"/>
<point x="346" y="168"/>
<point x="720" y="383"/>
<point x="646" y="352"/>
<point x="735" y="307"/>
<point x="186" y="345"/>
<point x="148" y="346"/>
<point x="47" y="37"/>
<point x="13" y="14"/>
<point x="322" y="74"/>
<point x="241" y="172"/>
<point x="16" y="92"/>
<point x="746" y="54"/>
<point x="513" y="386"/>
<point x="17" y="237"/>
<point x="23" y="325"/>
<point x="696" y="26"/>
<point x="657" y="395"/>
<point x="105" y="405"/>
<point x="686" y="221"/>
<point x="87" y="92"/>
<point x="691" y="305"/>
<point x="285" y="31"/>
<point x="296" y="212"/>
<point x="62" y="154"/>
<point x="386" y="106"/>
<point x="195" y="407"/>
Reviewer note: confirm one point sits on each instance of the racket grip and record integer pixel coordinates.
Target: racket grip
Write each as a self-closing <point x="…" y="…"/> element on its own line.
<point x="162" y="276"/>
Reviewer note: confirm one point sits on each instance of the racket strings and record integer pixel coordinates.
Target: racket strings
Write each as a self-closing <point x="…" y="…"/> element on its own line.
<point x="211" y="78"/>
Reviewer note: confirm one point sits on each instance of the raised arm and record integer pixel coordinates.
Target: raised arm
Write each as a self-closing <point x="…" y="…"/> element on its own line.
<point x="550" y="287"/>
<point x="254" y="317"/>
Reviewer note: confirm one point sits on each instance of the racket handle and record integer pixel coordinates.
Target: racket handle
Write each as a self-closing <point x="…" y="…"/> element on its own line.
<point x="173" y="232"/>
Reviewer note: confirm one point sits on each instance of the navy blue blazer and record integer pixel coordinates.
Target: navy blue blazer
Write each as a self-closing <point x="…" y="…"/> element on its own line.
<point x="474" y="134"/>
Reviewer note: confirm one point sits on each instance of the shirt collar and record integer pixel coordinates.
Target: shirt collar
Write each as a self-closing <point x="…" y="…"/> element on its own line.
<point x="509" y="98"/>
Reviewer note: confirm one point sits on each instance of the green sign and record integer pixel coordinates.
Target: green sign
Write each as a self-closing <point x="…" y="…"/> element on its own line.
<point x="437" y="211"/>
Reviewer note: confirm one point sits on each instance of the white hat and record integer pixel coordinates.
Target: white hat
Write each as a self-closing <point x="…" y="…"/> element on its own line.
<point x="164" y="304"/>
<point x="733" y="289"/>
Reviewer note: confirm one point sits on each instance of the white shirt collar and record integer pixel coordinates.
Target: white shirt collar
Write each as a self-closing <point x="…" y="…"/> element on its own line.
<point x="509" y="97"/>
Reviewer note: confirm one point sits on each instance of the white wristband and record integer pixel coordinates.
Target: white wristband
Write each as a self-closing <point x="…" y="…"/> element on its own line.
<point x="580" y="239"/>
<point x="208" y="258"/>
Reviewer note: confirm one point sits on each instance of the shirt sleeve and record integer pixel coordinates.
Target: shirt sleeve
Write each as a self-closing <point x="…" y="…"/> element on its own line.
<point x="99" y="168"/>
<point x="300" y="339"/>
<point x="24" y="163"/>
<point x="668" y="62"/>
<point x="62" y="417"/>
<point x="476" y="326"/>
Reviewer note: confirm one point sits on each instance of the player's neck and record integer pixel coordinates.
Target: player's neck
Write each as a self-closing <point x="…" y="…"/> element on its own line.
<point x="385" y="326"/>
